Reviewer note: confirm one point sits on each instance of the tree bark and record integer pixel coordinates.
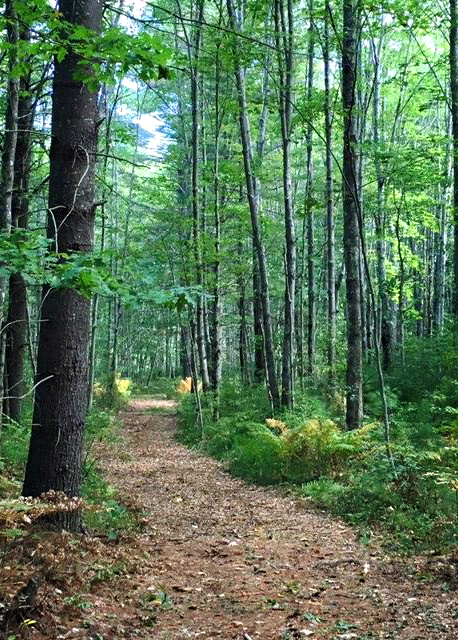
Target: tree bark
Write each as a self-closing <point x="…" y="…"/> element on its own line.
<point x="7" y="161"/>
<point x="330" y="224"/>
<point x="196" y="213"/>
<point x="216" y="305"/>
<point x="285" y="43"/>
<point x="56" y="447"/>
<point x="254" y="214"/>
<point x="354" y="411"/>
<point x="17" y="321"/>
<point x="454" y="109"/>
<point x="309" y="210"/>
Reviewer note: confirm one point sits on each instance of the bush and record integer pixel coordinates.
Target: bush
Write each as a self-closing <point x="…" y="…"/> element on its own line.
<point x="256" y="455"/>
<point x="14" y="446"/>
<point x="159" y="387"/>
<point x="114" y="394"/>
<point x="105" y="513"/>
<point x="346" y="472"/>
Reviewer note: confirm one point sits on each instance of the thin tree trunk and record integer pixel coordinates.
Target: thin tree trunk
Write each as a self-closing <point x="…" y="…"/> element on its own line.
<point x="216" y="306"/>
<point x="384" y="329"/>
<point x="309" y="217"/>
<point x="196" y="213"/>
<point x="254" y="214"/>
<point x="330" y="224"/>
<point x="454" y="108"/>
<point x="7" y="161"/>
<point x="17" y="321"/>
<point x="354" y="394"/>
<point x="243" y="348"/>
<point x="285" y="43"/>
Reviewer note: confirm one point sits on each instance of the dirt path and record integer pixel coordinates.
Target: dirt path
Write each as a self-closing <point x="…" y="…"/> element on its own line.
<point x="221" y="559"/>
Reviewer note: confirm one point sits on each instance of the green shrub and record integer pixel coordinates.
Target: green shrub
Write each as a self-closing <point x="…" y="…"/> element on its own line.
<point x="100" y="425"/>
<point x="347" y="472"/>
<point x="256" y="455"/>
<point x="105" y="513"/>
<point x="114" y="394"/>
<point x="166" y="387"/>
<point x="14" y="445"/>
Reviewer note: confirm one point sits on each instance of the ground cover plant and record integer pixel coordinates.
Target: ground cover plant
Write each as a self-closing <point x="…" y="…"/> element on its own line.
<point x="348" y="472"/>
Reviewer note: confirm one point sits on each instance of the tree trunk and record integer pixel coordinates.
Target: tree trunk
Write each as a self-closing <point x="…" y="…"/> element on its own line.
<point x="216" y="306"/>
<point x="56" y="447"/>
<point x="196" y="213"/>
<point x="454" y="108"/>
<point x="284" y="41"/>
<point x="17" y="320"/>
<point x="254" y="214"/>
<point x="259" y="358"/>
<point x="384" y="328"/>
<point x="309" y="217"/>
<point x="350" y="215"/>
<point x="331" y="262"/>
<point x="7" y="160"/>
<point x="243" y="340"/>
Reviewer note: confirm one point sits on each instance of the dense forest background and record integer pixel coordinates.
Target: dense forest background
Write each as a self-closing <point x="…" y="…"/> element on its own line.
<point x="259" y="197"/>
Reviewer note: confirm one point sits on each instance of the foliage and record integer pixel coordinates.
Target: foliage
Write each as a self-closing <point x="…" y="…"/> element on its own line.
<point x="105" y="513"/>
<point x="114" y="394"/>
<point x="346" y="472"/>
<point x="14" y="446"/>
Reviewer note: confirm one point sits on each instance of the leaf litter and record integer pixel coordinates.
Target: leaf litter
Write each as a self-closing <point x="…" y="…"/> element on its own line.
<point x="216" y="558"/>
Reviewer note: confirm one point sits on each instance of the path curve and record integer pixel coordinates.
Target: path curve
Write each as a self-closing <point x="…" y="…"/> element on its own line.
<point x="222" y="559"/>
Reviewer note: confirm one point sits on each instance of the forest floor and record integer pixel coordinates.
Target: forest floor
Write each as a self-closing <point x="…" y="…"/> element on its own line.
<point x="217" y="558"/>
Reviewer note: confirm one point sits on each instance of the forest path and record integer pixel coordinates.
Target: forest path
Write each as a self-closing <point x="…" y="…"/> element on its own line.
<point x="222" y="559"/>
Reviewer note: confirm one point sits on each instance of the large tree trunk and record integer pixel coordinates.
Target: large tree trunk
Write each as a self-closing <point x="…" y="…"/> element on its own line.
<point x="350" y="214"/>
<point x="56" y="447"/>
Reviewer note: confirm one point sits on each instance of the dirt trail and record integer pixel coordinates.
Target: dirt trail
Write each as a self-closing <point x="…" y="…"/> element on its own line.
<point x="222" y="559"/>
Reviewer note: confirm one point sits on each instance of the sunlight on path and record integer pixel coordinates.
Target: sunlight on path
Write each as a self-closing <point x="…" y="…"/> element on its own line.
<point x="144" y="403"/>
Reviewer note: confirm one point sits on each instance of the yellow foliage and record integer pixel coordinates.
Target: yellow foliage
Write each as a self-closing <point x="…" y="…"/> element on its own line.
<point x="98" y="390"/>
<point x="123" y="385"/>
<point x="277" y="426"/>
<point x="185" y="385"/>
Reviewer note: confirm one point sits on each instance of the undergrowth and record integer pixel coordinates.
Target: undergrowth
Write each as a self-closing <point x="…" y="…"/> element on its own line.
<point x="104" y="512"/>
<point x="348" y="472"/>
